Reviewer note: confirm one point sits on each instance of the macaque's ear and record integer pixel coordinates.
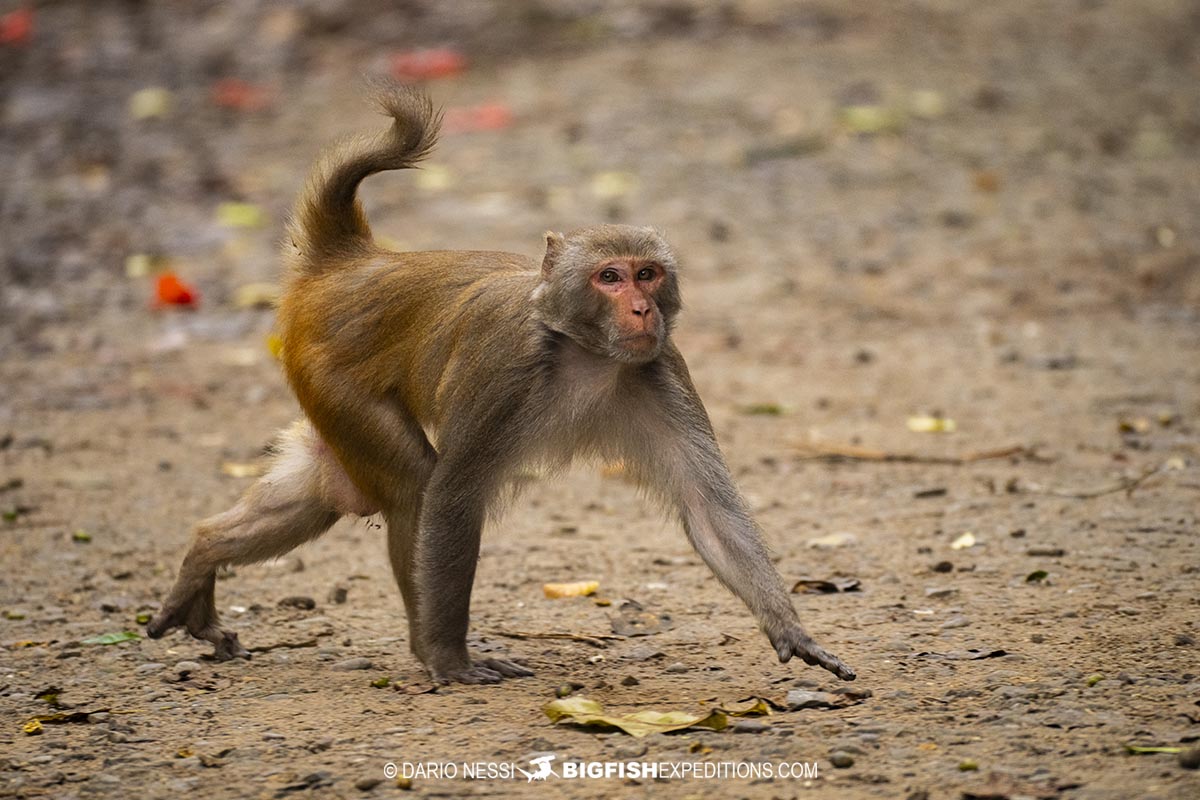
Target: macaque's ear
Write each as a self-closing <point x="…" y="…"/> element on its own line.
<point x="554" y="246"/>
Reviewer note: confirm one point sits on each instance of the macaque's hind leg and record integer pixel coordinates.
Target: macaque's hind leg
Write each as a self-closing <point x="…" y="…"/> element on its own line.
<point x="299" y="498"/>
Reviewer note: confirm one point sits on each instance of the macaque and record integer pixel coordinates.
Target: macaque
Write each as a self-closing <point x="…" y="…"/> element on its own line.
<point x="428" y="380"/>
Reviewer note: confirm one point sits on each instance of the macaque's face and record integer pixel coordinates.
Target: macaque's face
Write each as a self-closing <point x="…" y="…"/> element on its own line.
<point x="630" y="287"/>
<point x="612" y="289"/>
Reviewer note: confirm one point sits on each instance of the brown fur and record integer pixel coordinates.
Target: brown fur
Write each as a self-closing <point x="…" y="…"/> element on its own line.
<point x="427" y="379"/>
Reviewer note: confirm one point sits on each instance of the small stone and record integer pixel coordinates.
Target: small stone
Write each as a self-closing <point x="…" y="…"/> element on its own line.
<point x="1184" y="640"/>
<point x="367" y="784"/>
<point x="1037" y="638"/>
<point x="154" y="666"/>
<point x="352" y="664"/>
<point x="841" y="759"/>
<point x="117" y="737"/>
<point x="940" y="591"/>
<point x="630" y="751"/>
<point x="337" y="595"/>
<point x="749" y="726"/>
<point x="943" y="566"/>
<point x="1046" y="551"/>
<point x="271" y="736"/>
<point x="404" y="783"/>
<point x="629" y="680"/>
<point x="1190" y="759"/>
<point x="298" y="601"/>
<point x="955" y="622"/>
<point x="187" y="667"/>
<point x="677" y="668"/>
<point x="801" y="698"/>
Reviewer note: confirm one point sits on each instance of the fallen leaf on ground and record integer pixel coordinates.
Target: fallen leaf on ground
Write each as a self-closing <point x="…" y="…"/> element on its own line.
<point x="924" y="424"/>
<point x="111" y="638"/>
<point x="427" y="64"/>
<point x="472" y="119"/>
<point x="1138" y="750"/>
<point x="256" y="295"/>
<point x="150" y="103"/>
<point x="242" y="469"/>
<point x="239" y="95"/>
<point x="555" y="591"/>
<point x="963" y="542"/>
<point x="963" y="655"/>
<point x="830" y="586"/>
<point x="582" y="711"/>
<point x="169" y="290"/>
<point x="16" y="27"/>
<point x="840" y="539"/>
<point x="240" y="215"/>
<point x="749" y="707"/>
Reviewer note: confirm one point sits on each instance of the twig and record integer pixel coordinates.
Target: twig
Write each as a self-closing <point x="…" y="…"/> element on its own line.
<point x="266" y="648"/>
<point x="1127" y="485"/>
<point x="595" y="640"/>
<point x="833" y="451"/>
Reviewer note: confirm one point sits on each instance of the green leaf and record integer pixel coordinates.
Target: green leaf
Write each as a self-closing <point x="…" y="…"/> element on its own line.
<point x="112" y="638"/>
<point x="1142" y="751"/>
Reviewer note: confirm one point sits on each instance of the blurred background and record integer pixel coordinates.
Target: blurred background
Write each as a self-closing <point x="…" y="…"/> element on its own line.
<point x="998" y="158"/>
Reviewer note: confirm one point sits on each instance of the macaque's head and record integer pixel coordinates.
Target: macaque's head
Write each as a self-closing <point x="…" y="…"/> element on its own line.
<point x="612" y="289"/>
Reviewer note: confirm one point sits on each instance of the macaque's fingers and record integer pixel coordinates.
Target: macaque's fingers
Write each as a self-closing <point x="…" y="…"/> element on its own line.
<point x="509" y="669"/>
<point x="797" y="643"/>
<point x="226" y="647"/>
<point x="474" y="674"/>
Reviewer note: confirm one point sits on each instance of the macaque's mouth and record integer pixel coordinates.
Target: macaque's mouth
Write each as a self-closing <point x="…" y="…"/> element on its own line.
<point x="640" y="340"/>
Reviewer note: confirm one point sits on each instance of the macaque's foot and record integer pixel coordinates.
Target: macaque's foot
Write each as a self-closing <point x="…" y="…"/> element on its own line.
<point x="226" y="646"/>
<point x="489" y="670"/>
<point x="201" y="623"/>
<point x="795" y="642"/>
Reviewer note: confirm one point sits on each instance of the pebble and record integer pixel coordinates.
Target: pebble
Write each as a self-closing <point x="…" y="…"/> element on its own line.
<point x="943" y="566"/>
<point x="940" y="591"/>
<point x="629" y="680"/>
<point x="272" y="736"/>
<point x="298" y="601"/>
<point x="353" y="664"/>
<point x="630" y="751"/>
<point x="1184" y="640"/>
<point x="841" y="759"/>
<point x="800" y="698"/>
<point x="153" y="666"/>
<point x="367" y="784"/>
<point x="1046" y="552"/>
<point x="955" y="622"/>
<point x="1190" y="759"/>
<point x="184" y="667"/>
<point x="338" y="594"/>
<point x="749" y="726"/>
<point x="676" y="668"/>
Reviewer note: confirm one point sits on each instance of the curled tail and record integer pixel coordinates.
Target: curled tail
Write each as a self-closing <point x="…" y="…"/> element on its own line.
<point x="328" y="219"/>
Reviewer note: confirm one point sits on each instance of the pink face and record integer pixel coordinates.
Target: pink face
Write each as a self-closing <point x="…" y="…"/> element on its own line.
<point x="630" y="285"/>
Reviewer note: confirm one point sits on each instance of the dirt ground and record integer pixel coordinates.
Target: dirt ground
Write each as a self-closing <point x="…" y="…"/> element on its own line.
<point x="983" y="212"/>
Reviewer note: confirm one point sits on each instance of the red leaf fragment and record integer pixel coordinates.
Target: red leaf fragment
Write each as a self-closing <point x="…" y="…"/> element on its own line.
<point x="16" y="27"/>
<point x="484" y="117"/>
<point x="423" y="65"/>
<point x="239" y="95"/>
<point x="170" y="291"/>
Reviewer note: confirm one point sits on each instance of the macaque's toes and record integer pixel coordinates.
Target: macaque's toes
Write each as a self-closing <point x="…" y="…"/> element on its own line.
<point x="226" y="647"/>
<point x="507" y="669"/>
<point x="474" y="674"/>
<point x="818" y="656"/>
<point x="801" y="644"/>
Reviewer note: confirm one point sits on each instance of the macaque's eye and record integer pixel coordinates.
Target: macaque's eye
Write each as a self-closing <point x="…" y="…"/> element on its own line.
<point x="610" y="276"/>
<point x="645" y="274"/>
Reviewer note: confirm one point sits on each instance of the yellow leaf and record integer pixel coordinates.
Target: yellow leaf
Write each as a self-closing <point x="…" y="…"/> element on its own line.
<point x="577" y="589"/>
<point x="242" y="469"/>
<point x="33" y="728"/>
<point x="931" y="425"/>
<point x="963" y="542"/>
<point x="583" y="711"/>
<point x="256" y="295"/>
<point x="241" y="215"/>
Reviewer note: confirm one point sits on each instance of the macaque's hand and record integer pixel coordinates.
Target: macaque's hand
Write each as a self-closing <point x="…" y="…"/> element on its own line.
<point x="795" y="642"/>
